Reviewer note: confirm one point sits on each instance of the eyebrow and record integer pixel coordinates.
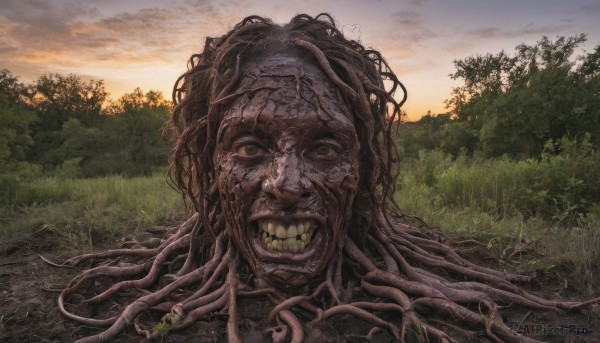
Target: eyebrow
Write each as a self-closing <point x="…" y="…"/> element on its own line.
<point x="236" y="129"/>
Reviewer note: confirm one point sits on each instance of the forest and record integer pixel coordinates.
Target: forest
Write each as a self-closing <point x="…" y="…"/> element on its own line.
<point x="513" y="163"/>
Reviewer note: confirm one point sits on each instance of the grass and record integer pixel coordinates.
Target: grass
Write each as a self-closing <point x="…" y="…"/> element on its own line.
<point x="510" y="208"/>
<point x="82" y="209"/>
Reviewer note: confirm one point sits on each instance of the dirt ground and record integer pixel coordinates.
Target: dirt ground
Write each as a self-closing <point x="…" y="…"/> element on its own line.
<point x="29" y="289"/>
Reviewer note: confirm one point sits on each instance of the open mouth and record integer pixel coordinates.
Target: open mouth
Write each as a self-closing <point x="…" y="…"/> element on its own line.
<point x="292" y="237"/>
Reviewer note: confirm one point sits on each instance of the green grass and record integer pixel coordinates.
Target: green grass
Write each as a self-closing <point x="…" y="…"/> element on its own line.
<point x="509" y="206"/>
<point x="525" y="213"/>
<point x="81" y="209"/>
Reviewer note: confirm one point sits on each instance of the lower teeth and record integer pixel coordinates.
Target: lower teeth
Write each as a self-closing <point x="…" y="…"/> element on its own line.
<point x="289" y="244"/>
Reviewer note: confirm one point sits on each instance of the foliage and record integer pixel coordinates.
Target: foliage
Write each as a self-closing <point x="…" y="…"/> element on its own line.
<point x="60" y="98"/>
<point x="67" y="127"/>
<point x="57" y="99"/>
<point x="133" y="127"/>
<point x="15" y="139"/>
<point x="514" y="104"/>
<point x="562" y="186"/>
<point x="553" y="202"/>
<point x="126" y="141"/>
<point x="11" y="88"/>
<point x="71" y="128"/>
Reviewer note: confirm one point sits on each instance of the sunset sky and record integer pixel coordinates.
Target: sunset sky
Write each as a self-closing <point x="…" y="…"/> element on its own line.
<point x="147" y="43"/>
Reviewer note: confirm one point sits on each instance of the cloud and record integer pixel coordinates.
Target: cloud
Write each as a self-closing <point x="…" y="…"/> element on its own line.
<point x="588" y="9"/>
<point x="41" y="56"/>
<point x="40" y="36"/>
<point x="417" y="3"/>
<point x="529" y="29"/>
<point x="405" y="35"/>
<point x="48" y="13"/>
<point x="408" y="19"/>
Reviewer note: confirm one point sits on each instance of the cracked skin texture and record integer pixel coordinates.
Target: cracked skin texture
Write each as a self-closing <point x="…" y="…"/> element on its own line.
<point x="286" y="151"/>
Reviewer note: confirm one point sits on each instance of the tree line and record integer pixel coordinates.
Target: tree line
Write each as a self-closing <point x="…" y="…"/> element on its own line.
<point x="65" y="126"/>
<point x="518" y="105"/>
<point x="530" y="119"/>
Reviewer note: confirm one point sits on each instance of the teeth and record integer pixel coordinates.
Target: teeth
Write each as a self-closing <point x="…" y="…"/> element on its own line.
<point x="292" y="232"/>
<point x="281" y="233"/>
<point x="271" y="229"/>
<point x="293" y="238"/>
<point x="300" y="228"/>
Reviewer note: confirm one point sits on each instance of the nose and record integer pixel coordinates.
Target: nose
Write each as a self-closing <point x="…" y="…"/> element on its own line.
<point x="287" y="184"/>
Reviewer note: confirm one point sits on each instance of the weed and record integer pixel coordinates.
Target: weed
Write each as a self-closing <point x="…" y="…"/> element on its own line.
<point x="542" y="215"/>
<point x="82" y="209"/>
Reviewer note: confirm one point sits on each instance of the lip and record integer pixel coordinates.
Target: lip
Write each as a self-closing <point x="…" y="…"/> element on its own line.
<point x="286" y="257"/>
<point x="287" y="218"/>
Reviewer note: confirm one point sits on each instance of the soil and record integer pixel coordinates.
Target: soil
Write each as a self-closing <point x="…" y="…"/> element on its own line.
<point x="29" y="288"/>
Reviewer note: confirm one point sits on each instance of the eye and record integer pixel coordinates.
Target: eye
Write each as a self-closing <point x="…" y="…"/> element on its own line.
<point x="323" y="149"/>
<point x="249" y="150"/>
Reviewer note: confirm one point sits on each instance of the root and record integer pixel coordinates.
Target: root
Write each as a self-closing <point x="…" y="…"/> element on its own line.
<point x="367" y="316"/>
<point x="292" y="321"/>
<point x="233" y="335"/>
<point x="408" y="288"/>
<point x="324" y="63"/>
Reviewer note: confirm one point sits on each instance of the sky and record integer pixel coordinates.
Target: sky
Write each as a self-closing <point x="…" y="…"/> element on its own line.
<point x="146" y="44"/>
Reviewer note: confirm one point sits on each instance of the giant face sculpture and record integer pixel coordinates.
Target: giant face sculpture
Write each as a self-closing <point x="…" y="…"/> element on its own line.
<point x="287" y="169"/>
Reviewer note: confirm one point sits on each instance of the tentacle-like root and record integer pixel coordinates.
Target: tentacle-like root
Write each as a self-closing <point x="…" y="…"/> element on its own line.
<point x="407" y="288"/>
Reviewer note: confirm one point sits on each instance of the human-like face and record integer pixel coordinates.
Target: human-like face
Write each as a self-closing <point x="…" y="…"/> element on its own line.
<point x="287" y="169"/>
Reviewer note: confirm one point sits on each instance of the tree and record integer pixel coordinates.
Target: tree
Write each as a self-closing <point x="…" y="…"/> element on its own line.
<point x="586" y="114"/>
<point x="132" y="131"/>
<point x="15" y="138"/>
<point x="457" y="137"/>
<point x="517" y="103"/>
<point x="56" y="99"/>
<point x="11" y="88"/>
<point x="80" y="145"/>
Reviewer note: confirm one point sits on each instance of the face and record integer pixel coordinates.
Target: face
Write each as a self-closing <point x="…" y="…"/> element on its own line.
<point x="287" y="169"/>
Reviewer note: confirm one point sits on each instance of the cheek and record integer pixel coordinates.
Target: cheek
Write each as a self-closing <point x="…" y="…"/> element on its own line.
<point x="342" y="178"/>
<point x="236" y="180"/>
<point x="337" y="187"/>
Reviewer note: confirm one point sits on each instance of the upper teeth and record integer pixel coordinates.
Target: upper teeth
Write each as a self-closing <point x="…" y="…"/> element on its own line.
<point x="293" y="237"/>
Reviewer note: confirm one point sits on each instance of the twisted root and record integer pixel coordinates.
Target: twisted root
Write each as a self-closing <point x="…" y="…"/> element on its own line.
<point x="396" y="271"/>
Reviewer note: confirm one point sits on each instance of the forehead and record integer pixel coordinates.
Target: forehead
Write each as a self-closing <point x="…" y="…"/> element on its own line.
<point x="285" y="90"/>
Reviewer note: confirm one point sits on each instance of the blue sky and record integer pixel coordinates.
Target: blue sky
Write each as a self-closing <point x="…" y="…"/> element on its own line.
<point x="147" y="43"/>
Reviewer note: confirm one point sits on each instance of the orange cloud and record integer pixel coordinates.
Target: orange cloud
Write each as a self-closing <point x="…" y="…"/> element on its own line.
<point x="81" y="29"/>
<point x="42" y="56"/>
